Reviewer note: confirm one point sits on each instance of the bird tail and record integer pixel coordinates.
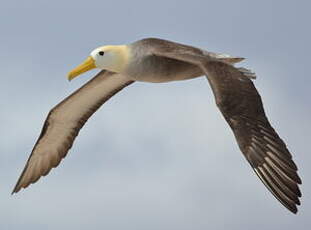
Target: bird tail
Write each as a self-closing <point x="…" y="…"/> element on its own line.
<point x="247" y="73"/>
<point x="227" y="58"/>
<point x="232" y="60"/>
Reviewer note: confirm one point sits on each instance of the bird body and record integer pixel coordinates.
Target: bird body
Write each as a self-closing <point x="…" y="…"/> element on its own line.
<point x="147" y="67"/>
<point x="157" y="60"/>
<point x="138" y="62"/>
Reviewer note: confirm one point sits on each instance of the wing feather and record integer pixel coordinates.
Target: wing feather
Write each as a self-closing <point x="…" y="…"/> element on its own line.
<point x="241" y="105"/>
<point x="64" y="122"/>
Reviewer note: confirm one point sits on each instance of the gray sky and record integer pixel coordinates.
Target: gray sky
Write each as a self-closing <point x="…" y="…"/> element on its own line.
<point x="156" y="156"/>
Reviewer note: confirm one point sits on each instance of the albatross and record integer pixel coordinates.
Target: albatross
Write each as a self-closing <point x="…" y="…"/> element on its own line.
<point x="156" y="60"/>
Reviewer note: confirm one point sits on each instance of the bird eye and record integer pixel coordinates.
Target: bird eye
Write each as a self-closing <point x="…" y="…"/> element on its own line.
<point x="101" y="53"/>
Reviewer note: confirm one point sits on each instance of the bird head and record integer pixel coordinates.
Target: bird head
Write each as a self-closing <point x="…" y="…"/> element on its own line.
<point x="112" y="58"/>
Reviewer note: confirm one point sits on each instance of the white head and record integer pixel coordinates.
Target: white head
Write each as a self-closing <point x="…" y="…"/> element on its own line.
<point x="112" y="58"/>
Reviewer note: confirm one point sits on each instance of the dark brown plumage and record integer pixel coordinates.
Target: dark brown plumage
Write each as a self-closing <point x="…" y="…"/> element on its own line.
<point x="241" y="106"/>
<point x="260" y="144"/>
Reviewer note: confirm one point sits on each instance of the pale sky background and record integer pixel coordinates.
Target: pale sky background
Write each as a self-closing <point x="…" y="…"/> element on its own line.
<point x="156" y="156"/>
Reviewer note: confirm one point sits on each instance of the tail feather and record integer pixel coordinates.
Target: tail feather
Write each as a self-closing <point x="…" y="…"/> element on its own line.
<point x="229" y="59"/>
<point x="225" y="57"/>
<point x="247" y="73"/>
<point x="232" y="60"/>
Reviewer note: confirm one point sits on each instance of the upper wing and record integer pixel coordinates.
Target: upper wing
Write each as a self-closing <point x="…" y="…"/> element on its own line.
<point x="64" y="123"/>
<point x="241" y="105"/>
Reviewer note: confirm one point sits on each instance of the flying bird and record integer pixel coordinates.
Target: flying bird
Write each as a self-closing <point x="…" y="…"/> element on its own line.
<point x="156" y="60"/>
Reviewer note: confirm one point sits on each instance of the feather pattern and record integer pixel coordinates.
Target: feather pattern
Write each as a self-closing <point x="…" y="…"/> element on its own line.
<point x="64" y="122"/>
<point x="241" y="105"/>
<point x="267" y="153"/>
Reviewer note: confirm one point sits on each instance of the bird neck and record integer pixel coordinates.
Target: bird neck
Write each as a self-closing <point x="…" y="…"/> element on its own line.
<point x="120" y="59"/>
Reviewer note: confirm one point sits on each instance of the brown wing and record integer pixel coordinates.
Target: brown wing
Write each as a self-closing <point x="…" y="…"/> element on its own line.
<point x="64" y="123"/>
<point x="241" y="105"/>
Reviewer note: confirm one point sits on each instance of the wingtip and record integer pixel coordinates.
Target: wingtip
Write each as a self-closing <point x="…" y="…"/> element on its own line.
<point x="294" y="210"/>
<point x="19" y="185"/>
<point x="16" y="189"/>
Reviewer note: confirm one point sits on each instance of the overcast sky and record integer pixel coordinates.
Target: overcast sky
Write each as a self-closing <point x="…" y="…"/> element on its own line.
<point x="156" y="156"/>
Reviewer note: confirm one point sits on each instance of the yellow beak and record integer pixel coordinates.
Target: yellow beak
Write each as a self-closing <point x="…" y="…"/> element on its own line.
<point x="87" y="65"/>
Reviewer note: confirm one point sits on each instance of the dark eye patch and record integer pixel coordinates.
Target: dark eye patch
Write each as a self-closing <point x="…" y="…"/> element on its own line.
<point x="101" y="53"/>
